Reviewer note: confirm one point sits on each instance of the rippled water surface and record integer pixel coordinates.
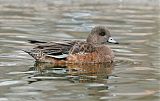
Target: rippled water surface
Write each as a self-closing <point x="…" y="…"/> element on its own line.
<point x="133" y="76"/>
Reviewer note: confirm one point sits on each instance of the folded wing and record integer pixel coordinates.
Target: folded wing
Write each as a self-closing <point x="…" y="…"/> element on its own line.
<point x="57" y="50"/>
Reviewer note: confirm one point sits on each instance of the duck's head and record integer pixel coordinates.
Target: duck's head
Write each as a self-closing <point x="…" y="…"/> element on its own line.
<point x="100" y="35"/>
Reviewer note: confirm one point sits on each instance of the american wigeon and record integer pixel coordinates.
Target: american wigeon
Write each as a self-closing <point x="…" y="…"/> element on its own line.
<point x="93" y="50"/>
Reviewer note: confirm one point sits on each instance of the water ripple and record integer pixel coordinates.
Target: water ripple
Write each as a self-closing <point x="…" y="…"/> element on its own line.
<point x="133" y="76"/>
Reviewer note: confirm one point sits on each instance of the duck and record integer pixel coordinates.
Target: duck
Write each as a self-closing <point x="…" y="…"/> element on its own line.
<point x="92" y="50"/>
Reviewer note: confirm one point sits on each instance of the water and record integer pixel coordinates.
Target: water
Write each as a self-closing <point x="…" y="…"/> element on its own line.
<point x="133" y="76"/>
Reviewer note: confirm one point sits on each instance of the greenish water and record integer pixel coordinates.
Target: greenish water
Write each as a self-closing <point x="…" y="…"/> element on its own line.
<point x="133" y="76"/>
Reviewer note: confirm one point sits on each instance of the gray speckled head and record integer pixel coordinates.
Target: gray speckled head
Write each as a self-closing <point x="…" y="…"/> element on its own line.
<point x="100" y="35"/>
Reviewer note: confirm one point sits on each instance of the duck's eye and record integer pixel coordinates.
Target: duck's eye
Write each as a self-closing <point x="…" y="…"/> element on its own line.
<point x="102" y="34"/>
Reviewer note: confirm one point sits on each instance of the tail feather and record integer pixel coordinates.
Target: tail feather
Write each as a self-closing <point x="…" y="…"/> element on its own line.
<point x="27" y="51"/>
<point x="35" y="41"/>
<point x="31" y="53"/>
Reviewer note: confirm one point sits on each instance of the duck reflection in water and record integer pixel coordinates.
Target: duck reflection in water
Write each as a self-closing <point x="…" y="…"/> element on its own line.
<point x="81" y="73"/>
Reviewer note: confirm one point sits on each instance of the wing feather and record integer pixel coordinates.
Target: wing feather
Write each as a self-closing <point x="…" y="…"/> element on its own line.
<point x="57" y="50"/>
